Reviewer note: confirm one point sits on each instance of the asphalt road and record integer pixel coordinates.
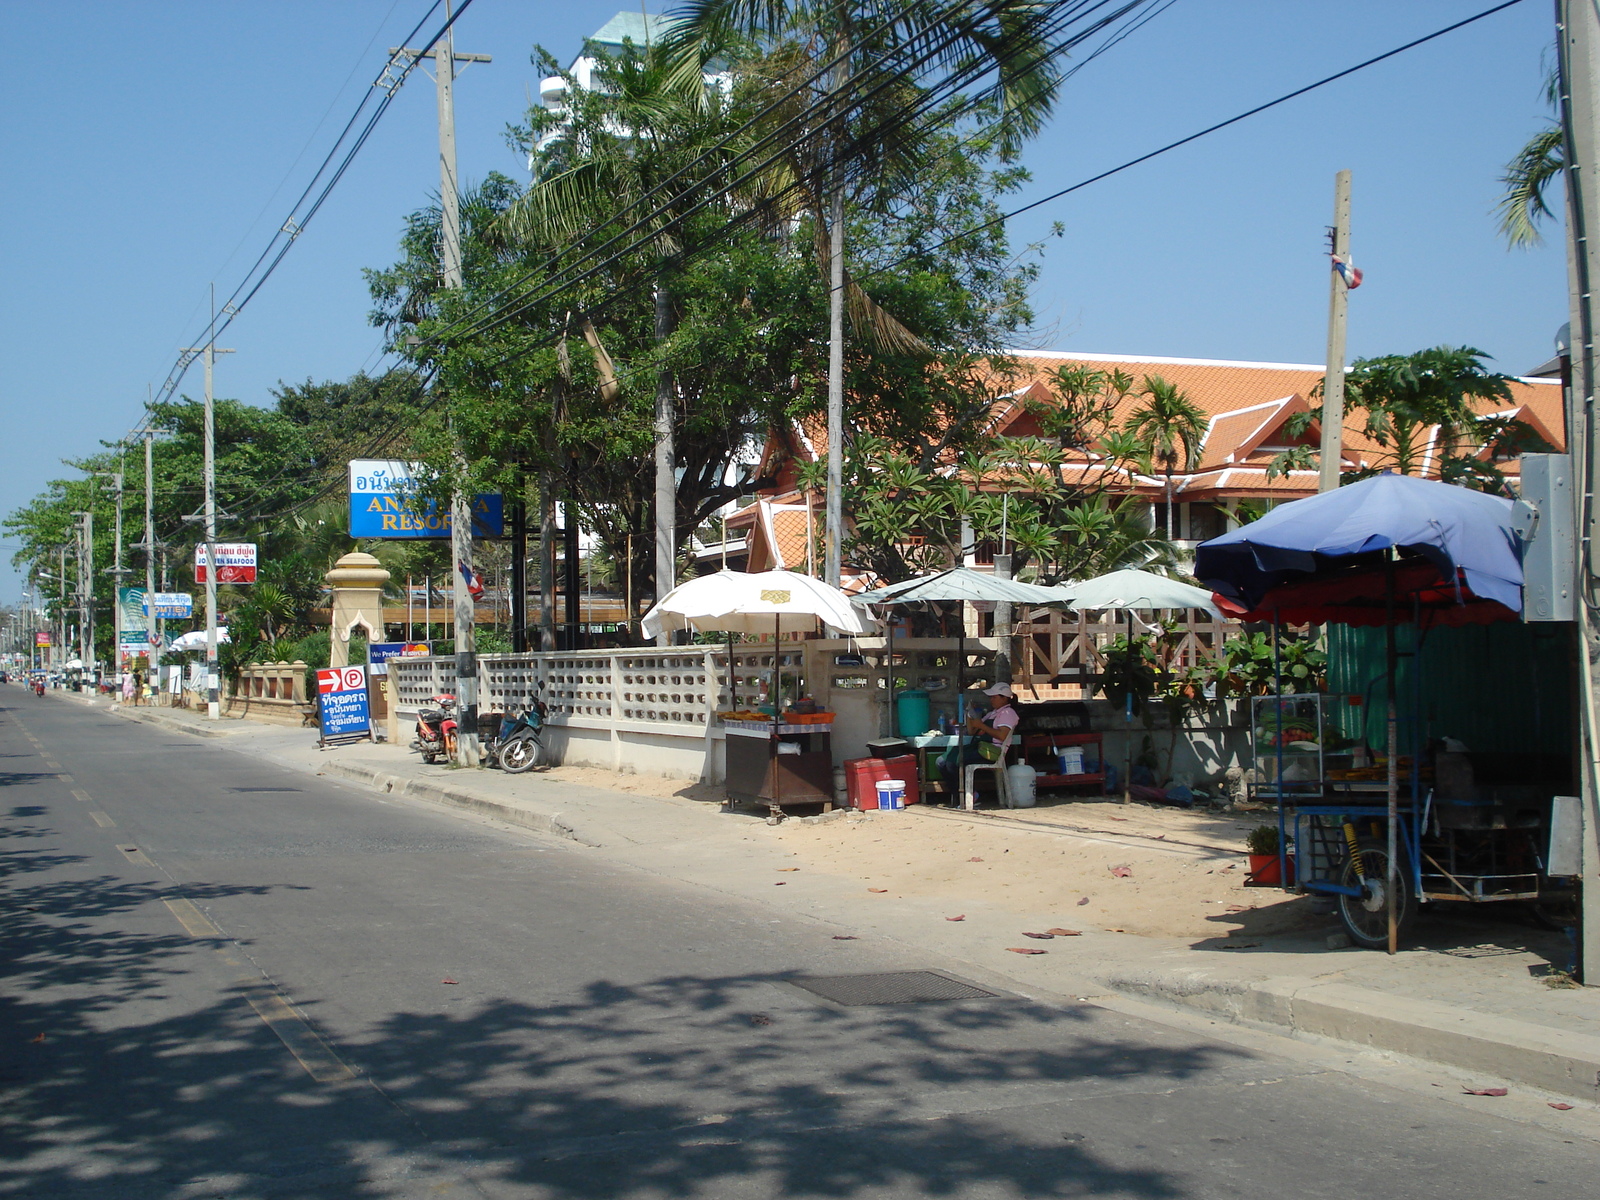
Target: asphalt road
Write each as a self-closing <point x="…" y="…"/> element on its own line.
<point x="224" y="978"/>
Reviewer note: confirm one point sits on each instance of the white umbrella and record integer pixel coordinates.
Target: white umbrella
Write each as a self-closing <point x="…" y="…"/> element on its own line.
<point x="196" y="640"/>
<point x="1136" y="590"/>
<point x="755" y="602"/>
<point x="963" y="583"/>
<point x="1129" y="591"/>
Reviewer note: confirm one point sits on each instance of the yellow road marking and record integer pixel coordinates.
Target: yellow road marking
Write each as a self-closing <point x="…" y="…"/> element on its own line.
<point x="103" y="820"/>
<point x="80" y="794"/>
<point x="295" y="1032"/>
<point x="195" y="923"/>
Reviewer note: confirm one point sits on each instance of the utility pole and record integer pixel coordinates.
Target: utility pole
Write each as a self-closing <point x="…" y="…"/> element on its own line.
<point x="666" y="481"/>
<point x="1578" y="65"/>
<point x="152" y="626"/>
<point x="116" y="574"/>
<point x="86" y="588"/>
<point x="445" y="59"/>
<point x="1338" y="305"/>
<point x="213" y="680"/>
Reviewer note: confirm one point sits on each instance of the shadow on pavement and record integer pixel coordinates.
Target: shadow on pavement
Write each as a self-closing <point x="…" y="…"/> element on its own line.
<point x="110" y="1086"/>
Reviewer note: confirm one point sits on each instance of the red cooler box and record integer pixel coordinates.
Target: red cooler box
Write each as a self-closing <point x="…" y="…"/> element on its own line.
<point x="862" y="774"/>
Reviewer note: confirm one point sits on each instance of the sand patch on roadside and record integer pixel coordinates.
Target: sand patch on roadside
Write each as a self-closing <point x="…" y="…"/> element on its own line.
<point x="1154" y="872"/>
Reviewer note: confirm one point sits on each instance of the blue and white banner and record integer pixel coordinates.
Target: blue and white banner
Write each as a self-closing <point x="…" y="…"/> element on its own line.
<point x="342" y="702"/>
<point x="384" y="504"/>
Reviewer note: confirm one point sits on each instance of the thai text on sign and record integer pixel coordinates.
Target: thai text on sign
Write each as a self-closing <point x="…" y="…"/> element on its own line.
<point x="342" y="701"/>
<point x="236" y="562"/>
<point x="385" y="502"/>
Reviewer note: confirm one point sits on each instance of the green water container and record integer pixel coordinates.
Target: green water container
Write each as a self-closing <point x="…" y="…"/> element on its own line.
<point x="913" y="713"/>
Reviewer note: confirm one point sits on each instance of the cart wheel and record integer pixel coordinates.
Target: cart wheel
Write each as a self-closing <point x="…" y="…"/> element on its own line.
<point x="1366" y="917"/>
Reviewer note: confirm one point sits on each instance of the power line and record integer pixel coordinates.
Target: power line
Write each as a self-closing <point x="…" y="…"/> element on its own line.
<point x="1210" y="129"/>
<point x="397" y="68"/>
<point x="928" y="100"/>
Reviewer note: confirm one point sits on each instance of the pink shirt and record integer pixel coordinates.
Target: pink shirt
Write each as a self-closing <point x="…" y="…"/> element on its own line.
<point x="1005" y="718"/>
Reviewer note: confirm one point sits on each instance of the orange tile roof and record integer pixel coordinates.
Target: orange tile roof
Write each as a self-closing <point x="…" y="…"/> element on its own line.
<point x="1247" y="402"/>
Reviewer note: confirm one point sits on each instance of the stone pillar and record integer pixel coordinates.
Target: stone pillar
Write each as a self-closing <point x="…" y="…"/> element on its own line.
<point x="357" y="580"/>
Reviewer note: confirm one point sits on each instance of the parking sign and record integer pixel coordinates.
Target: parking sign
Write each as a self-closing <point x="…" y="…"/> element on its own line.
<point x="342" y="703"/>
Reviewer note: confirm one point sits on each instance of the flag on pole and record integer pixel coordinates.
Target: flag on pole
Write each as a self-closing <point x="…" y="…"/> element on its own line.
<point x="1348" y="271"/>
<point x="474" y="584"/>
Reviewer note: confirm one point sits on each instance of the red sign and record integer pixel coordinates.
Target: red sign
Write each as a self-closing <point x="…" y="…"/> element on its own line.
<point x="341" y="679"/>
<point x="236" y="562"/>
<point x="41" y="639"/>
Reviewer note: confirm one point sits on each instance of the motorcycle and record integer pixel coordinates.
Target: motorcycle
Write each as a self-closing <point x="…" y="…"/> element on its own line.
<point x="436" y="730"/>
<point x="518" y="745"/>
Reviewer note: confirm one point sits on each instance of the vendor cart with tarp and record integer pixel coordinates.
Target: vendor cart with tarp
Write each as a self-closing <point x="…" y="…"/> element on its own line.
<point x="1382" y="828"/>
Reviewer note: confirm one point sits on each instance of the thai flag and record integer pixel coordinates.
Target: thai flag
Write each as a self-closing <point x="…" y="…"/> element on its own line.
<point x="474" y="584"/>
<point x="1348" y="270"/>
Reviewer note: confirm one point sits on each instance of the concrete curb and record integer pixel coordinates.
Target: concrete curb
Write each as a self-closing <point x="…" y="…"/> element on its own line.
<point x="525" y="815"/>
<point x="1517" y="1051"/>
<point x="164" y="722"/>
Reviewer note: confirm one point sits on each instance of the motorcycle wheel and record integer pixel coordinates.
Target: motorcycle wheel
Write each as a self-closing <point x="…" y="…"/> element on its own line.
<point x="429" y="757"/>
<point x="520" y="753"/>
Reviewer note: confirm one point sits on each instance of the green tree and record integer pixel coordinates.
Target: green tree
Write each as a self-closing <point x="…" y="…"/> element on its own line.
<point x="1406" y="397"/>
<point x="1170" y="428"/>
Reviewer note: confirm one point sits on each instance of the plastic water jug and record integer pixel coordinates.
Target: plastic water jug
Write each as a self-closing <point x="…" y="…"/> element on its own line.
<point x="1022" y="782"/>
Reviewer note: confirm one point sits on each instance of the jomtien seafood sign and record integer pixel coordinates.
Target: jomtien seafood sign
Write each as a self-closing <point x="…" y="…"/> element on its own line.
<point x="236" y="562"/>
<point x="385" y="503"/>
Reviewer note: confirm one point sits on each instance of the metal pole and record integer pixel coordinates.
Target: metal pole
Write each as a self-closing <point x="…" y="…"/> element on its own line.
<point x="1333" y="378"/>
<point x="519" y="575"/>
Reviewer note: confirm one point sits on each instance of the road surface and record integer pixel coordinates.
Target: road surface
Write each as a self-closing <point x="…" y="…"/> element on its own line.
<point x="226" y="978"/>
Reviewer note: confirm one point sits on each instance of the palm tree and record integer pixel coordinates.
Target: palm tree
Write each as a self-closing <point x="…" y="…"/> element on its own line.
<point x="1170" y="427"/>
<point x="880" y="49"/>
<point x="647" y="138"/>
<point x="1522" y="205"/>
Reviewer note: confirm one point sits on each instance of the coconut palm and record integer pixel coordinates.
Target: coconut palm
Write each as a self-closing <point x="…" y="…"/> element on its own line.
<point x="1522" y="205"/>
<point x="644" y="144"/>
<point x="882" y="52"/>
<point x="1170" y="428"/>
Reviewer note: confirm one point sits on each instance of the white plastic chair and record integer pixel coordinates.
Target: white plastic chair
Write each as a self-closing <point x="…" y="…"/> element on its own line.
<point x="1002" y="786"/>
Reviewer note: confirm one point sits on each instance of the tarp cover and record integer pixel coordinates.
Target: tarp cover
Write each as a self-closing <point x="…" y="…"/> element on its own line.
<point x="1294" y="554"/>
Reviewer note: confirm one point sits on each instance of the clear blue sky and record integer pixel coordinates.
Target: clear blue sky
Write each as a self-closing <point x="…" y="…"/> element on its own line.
<point x="144" y="144"/>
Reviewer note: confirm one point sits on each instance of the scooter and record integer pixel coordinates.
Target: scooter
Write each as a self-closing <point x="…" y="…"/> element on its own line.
<point x="518" y="745"/>
<point x="436" y="730"/>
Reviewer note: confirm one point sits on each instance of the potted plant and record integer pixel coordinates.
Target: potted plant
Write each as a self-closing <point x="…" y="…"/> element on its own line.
<point x="1265" y="862"/>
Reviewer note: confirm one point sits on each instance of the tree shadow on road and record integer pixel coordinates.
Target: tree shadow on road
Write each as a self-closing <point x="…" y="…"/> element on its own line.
<point x="681" y="1086"/>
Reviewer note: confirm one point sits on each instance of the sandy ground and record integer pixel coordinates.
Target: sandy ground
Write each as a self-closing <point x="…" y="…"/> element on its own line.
<point x="1184" y="870"/>
<point x="1159" y="872"/>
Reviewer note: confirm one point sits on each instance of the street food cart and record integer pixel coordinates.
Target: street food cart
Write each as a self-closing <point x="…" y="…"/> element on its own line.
<point x="1380" y="834"/>
<point x="785" y="758"/>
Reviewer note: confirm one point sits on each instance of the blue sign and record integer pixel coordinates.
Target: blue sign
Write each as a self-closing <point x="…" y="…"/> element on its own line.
<point x="342" y="702"/>
<point x="379" y="653"/>
<point x="384" y="504"/>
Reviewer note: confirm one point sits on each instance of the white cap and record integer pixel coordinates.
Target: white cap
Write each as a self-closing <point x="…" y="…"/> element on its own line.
<point x="1000" y="689"/>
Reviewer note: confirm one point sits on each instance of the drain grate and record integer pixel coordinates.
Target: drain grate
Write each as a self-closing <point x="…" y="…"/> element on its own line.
<point x="266" y="789"/>
<point x="890" y="987"/>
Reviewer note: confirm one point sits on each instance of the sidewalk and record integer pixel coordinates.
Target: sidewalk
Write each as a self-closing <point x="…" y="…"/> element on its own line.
<point x="1500" y="1017"/>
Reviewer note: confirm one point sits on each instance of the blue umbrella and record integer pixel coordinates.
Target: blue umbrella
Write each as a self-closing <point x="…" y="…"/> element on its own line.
<point x="1453" y="527"/>
<point x="1313" y="545"/>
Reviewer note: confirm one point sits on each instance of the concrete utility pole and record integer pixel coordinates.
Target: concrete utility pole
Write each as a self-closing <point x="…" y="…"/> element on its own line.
<point x="666" y="481"/>
<point x="1578" y="58"/>
<point x="445" y="59"/>
<point x="86" y="589"/>
<point x="833" y="502"/>
<point x="116" y="574"/>
<point x="151" y="625"/>
<point x="213" y="680"/>
<point x="1338" y="305"/>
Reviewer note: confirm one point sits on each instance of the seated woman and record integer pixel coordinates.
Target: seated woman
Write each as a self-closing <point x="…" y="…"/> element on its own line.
<point x="989" y="738"/>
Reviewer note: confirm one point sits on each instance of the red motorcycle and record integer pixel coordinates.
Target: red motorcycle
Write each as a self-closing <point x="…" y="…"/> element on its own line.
<point x="436" y="730"/>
